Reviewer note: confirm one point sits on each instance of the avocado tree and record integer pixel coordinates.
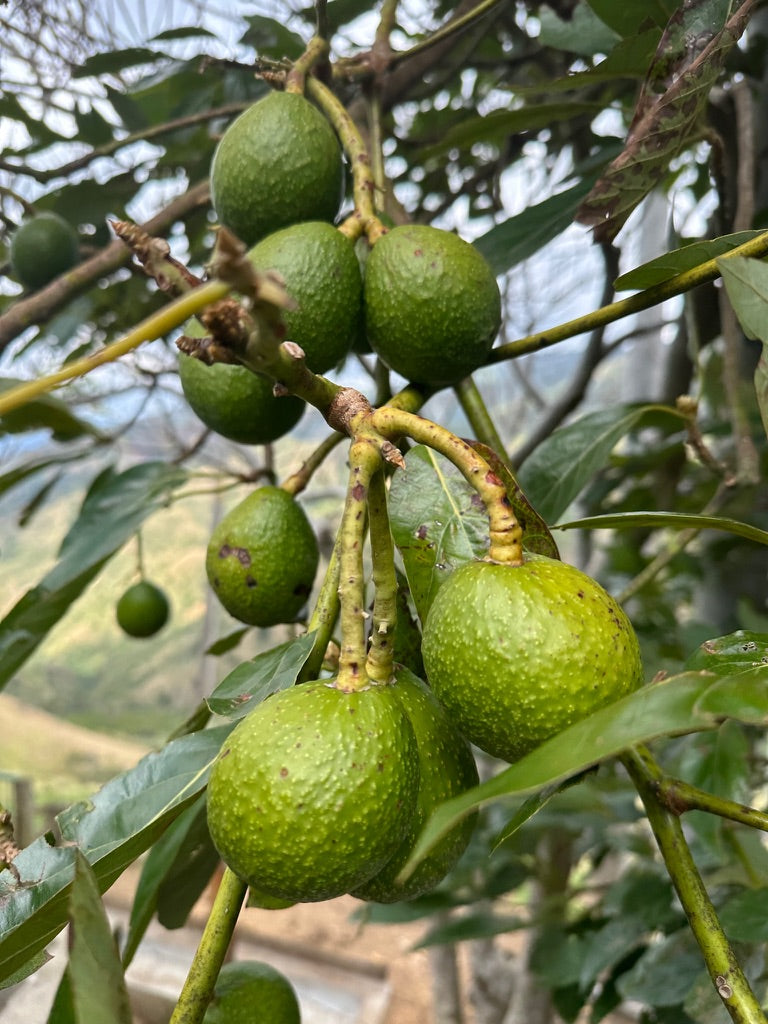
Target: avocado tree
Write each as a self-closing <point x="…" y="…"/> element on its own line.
<point x="414" y="223"/>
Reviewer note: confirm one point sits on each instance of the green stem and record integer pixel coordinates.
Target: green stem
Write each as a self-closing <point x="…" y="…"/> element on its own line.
<point x="505" y="531"/>
<point x="324" y="616"/>
<point x="296" y="482"/>
<point x="379" y="664"/>
<point x="707" y="271"/>
<point x="155" y="326"/>
<point x="364" y="461"/>
<point x="364" y="218"/>
<point x="480" y="420"/>
<point x="679" y="797"/>
<point x="214" y="943"/>
<point x="316" y="51"/>
<point x="727" y="976"/>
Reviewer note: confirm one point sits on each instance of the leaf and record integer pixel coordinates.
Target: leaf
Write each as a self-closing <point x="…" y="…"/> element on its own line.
<point x="730" y="654"/>
<point x="113" y="509"/>
<point x="63" y="1010"/>
<point x="96" y="978"/>
<point x="608" y="946"/>
<point x="46" y="413"/>
<point x="32" y="965"/>
<point x="519" y="237"/>
<point x="554" y="475"/>
<point x="628" y="17"/>
<point x="583" y="33"/>
<point x="271" y="38"/>
<point x="744" y="916"/>
<point x="438" y="522"/>
<point x="664" y="974"/>
<point x="742" y="695"/>
<point x="111" y="62"/>
<point x="666" y="520"/>
<point x="471" y="926"/>
<point x="37" y="500"/>
<point x="530" y="807"/>
<point x="677" y="261"/>
<point x="668" y="117"/>
<point x="536" y="535"/>
<point x="672" y="707"/>
<point x="111" y="830"/>
<point x="746" y="282"/>
<point x="248" y="684"/>
<point x="225" y="644"/>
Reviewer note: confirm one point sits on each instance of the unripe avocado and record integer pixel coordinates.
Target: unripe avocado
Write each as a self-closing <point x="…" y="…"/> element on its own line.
<point x="432" y="304"/>
<point x="262" y="558"/>
<point x="314" y="790"/>
<point x="142" y="610"/>
<point x="42" y="248"/>
<point x="447" y="768"/>
<point x="250" y="991"/>
<point x="322" y="275"/>
<point x="518" y="653"/>
<point x="278" y="163"/>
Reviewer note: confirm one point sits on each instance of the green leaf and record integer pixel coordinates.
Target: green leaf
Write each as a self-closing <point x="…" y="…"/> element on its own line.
<point x="193" y="32"/>
<point x="248" y="684"/>
<point x="667" y="708"/>
<point x="34" y="964"/>
<point x="438" y="522"/>
<point x="746" y="282"/>
<point x="666" y="520"/>
<point x="113" y="509"/>
<point x="270" y="38"/>
<point x="583" y="33"/>
<point x="111" y="830"/>
<point x="471" y="926"/>
<point x="664" y="974"/>
<point x="730" y="654"/>
<point x="644" y="894"/>
<point x="677" y="261"/>
<point x="629" y="16"/>
<point x="46" y="413"/>
<point x="608" y="946"/>
<point x="744" y="916"/>
<point x="113" y="61"/>
<point x="225" y="644"/>
<point x="742" y="695"/>
<point x="532" y="806"/>
<point x="63" y="1009"/>
<point x="98" y="985"/>
<point x="554" y="475"/>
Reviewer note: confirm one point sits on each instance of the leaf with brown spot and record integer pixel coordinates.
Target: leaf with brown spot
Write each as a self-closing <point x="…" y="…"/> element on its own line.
<point x="669" y="113"/>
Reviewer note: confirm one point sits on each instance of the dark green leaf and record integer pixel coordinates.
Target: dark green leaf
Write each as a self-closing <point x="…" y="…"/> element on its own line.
<point x="583" y="33"/>
<point x="248" y="684"/>
<point x="744" y="916"/>
<point x="96" y="977"/>
<point x="46" y="413"/>
<point x="743" y="696"/>
<point x="438" y="522"/>
<point x="113" y="509"/>
<point x="225" y="644"/>
<point x="529" y="808"/>
<point x="554" y="475"/>
<point x="666" y="708"/>
<point x="112" y="61"/>
<point x="270" y="38"/>
<point x="471" y="926"/>
<point x="761" y="385"/>
<point x="666" y="520"/>
<point x="189" y="874"/>
<point x="607" y="946"/>
<point x="664" y="974"/>
<point x="519" y="237"/>
<point x="112" y="829"/>
<point x="675" y="262"/>
<point x="34" y="964"/>
<point x="641" y="893"/>
<point x="193" y="32"/>
<point x="628" y="17"/>
<point x="63" y="1010"/>
<point x="92" y="129"/>
<point x="731" y="654"/>
<point x="746" y="281"/>
<point x="557" y="956"/>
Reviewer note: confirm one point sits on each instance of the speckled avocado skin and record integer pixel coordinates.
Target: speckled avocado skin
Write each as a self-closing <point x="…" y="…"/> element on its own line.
<point x="518" y="653"/>
<point x="313" y="792"/>
<point x="432" y="304"/>
<point x="278" y="163"/>
<point x="447" y="768"/>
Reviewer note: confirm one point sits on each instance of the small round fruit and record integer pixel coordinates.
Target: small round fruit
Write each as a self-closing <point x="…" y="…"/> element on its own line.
<point x="447" y="768"/>
<point x="432" y="304"/>
<point x="251" y="991"/>
<point x="142" y="610"/>
<point x="237" y="403"/>
<point x="314" y="790"/>
<point x="278" y="163"/>
<point x="518" y="653"/>
<point x="322" y="274"/>
<point x="262" y="558"/>
<point x="42" y="248"/>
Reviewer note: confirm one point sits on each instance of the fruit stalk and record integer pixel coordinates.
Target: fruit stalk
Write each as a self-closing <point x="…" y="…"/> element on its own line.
<point x="214" y="943"/>
<point x="723" y="967"/>
<point x="505" y="530"/>
<point x="476" y="411"/>
<point x="324" y="616"/>
<point x="379" y="664"/>
<point x="364" y="218"/>
<point x="316" y="51"/>
<point x="364" y="461"/>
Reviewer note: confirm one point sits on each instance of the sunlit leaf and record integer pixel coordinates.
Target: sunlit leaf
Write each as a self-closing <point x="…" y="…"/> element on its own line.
<point x="746" y="282"/>
<point x="438" y="522"/>
<point x="95" y="974"/>
<point x="249" y="683"/>
<point x="111" y="829"/>
<point x="677" y="261"/>
<point x="731" y="654"/>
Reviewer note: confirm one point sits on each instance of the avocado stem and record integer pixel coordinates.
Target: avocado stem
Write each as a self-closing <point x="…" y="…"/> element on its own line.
<point x="364" y="218"/>
<point x="317" y="50"/>
<point x="364" y="461"/>
<point x="725" y="972"/>
<point x="380" y="662"/>
<point x="200" y="981"/>
<point x="324" y="616"/>
<point x="505" y="531"/>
